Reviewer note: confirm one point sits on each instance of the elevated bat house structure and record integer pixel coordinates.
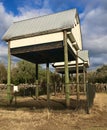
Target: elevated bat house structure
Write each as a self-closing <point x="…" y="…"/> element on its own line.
<point x="46" y="39"/>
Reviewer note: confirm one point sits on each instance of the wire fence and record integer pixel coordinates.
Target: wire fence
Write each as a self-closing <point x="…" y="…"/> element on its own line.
<point x="88" y="90"/>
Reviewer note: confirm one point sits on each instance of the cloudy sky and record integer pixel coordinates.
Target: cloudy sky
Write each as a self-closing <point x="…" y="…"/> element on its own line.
<point x="93" y="18"/>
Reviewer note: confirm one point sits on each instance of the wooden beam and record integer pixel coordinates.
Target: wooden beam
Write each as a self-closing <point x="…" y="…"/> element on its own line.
<point x="77" y="76"/>
<point x="37" y="48"/>
<point x="66" y="70"/>
<point x="37" y="87"/>
<point x="47" y="78"/>
<point x="84" y="77"/>
<point x="63" y="91"/>
<point x="9" y="96"/>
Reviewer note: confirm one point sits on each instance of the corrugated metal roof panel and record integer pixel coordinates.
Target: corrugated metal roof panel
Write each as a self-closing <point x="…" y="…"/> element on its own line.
<point x="83" y="55"/>
<point x="35" y="26"/>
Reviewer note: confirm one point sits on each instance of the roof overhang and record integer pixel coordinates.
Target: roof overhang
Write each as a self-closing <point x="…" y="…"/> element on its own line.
<point x="83" y="61"/>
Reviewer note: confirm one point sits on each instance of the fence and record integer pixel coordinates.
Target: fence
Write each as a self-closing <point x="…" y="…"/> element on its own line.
<point x="29" y="90"/>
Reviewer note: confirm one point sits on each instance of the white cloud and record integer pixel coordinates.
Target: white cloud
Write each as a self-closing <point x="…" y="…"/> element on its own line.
<point x="93" y="24"/>
<point x="3" y="53"/>
<point x="29" y="12"/>
<point x="94" y="31"/>
<point x="26" y="13"/>
<point x="6" y="19"/>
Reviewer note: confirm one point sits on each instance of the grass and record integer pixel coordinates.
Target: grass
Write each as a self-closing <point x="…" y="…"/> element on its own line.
<point x="34" y="114"/>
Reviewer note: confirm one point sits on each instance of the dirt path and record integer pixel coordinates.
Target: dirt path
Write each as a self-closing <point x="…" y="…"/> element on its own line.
<point x="43" y="119"/>
<point x="97" y="119"/>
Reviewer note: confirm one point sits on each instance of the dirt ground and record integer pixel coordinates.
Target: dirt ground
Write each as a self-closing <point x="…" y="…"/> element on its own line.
<point x="30" y="114"/>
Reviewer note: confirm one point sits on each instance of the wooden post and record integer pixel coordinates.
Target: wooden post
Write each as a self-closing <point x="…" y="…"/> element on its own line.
<point x="77" y="76"/>
<point x="87" y="99"/>
<point x="84" y="74"/>
<point x="47" y="77"/>
<point x="9" y="96"/>
<point x="62" y="85"/>
<point x="55" y="82"/>
<point x="37" y="89"/>
<point x="66" y="70"/>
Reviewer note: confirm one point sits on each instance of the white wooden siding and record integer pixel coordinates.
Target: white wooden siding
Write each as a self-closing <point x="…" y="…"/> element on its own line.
<point x="42" y="39"/>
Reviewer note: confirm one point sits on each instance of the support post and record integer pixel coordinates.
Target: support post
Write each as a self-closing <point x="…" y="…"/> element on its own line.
<point x="84" y="74"/>
<point x="62" y="85"/>
<point x="67" y="94"/>
<point x="47" y="77"/>
<point x="77" y="76"/>
<point x="9" y="96"/>
<point x="55" y="82"/>
<point x="37" y="87"/>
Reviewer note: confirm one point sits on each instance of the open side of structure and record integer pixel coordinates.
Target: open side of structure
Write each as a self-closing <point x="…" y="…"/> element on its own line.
<point x="76" y="67"/>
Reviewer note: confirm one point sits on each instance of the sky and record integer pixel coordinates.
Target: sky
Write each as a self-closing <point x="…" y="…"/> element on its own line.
<point x="93" y="20"/>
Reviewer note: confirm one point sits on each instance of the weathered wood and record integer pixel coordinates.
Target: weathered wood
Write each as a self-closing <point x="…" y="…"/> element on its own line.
<point x="37" y="87"/>
<point x="63" y="90"/>
<point x="66" y="70"/>
<point x="47" y="78"/>
<point x="9" y="96"/>
<point x="84" y="77"/>
<point x="77" y="76"/>
<point x="71" y="69"/>
<point x="42" y="53"/>
<point x="37" y="48"/>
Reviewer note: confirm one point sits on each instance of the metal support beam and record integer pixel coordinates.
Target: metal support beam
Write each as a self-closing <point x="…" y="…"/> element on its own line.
<point x="37" y="87"/>
<point x="47" y="77"/>
<point x="66" y="70"/>
<point x="77" y="76"/>
<point x="9" y="96"/>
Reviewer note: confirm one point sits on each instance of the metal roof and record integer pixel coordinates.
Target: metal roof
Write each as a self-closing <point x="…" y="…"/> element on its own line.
<point x="40" y="25"/>
<point x="83" y="55"/>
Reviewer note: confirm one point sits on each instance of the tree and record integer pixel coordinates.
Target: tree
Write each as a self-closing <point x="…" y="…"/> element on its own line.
<point x="24" y="72"/>
<point x="56" y="82"/>
<point x="98" y="76"/>
<point x="3" y="73"/>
